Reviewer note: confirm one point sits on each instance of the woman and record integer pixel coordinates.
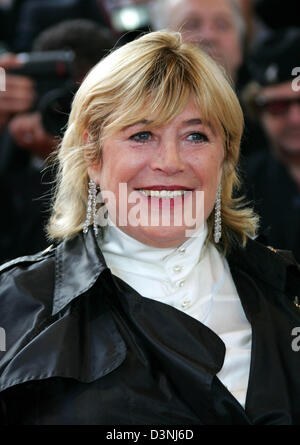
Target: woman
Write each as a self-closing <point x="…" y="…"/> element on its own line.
<point x="151" y="308"/>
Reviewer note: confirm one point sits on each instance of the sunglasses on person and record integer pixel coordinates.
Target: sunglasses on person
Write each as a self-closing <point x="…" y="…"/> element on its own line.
<point x="276" y="107"/>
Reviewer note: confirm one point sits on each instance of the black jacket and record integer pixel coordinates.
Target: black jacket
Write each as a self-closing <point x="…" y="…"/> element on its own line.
<point x="276" y="200"/>
<point x="82" y="347"/>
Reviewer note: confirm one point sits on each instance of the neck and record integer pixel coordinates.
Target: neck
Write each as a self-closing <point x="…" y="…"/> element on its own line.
<point x="117" y="242"/>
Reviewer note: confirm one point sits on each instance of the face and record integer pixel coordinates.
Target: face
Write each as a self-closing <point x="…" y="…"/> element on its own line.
<point x="165" y="169"/>
<point x="281" y="119"/>
<point x="210" y="23"/>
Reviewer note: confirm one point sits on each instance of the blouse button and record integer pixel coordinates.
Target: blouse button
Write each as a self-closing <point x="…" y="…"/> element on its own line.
<point x="177" y="268"/>
<point x="181" y="250"/>
<point x="186" y="303"/>
<point x="180" y="283"/>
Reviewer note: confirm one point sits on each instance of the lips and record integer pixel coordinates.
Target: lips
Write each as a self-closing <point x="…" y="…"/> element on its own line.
<point x="170" y="192"/>
<point x="165" y="187"/>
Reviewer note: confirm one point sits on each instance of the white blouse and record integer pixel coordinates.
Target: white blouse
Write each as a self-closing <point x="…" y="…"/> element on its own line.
<point x="194" y="278"/>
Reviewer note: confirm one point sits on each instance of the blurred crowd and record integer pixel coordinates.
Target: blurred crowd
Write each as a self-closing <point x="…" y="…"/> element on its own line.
<point x="48" y="46"/>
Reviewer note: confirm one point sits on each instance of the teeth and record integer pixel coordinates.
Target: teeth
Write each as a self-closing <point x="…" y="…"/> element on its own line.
<point x="163" y="193"/>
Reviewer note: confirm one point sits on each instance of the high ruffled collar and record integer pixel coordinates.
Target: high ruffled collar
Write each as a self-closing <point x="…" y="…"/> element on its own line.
<point x="124" y="252"/>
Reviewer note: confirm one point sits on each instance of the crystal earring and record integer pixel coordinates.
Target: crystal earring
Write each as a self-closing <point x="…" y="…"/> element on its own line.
<point x="91" y="208"/>
<point x="218" y="223"/>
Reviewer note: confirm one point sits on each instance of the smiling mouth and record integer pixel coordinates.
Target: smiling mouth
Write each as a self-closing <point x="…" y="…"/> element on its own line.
<point x="164" y="192"/>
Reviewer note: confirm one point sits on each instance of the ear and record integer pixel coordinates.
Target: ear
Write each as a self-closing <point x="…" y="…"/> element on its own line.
<point x="85" y="137"/>
<point x="94" y="171"/>
<point x="94" y="167"/>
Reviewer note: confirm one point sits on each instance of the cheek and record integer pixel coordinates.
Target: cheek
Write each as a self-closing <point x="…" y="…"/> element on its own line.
<point x="272" y="126"/>
<point x="120" y="166"/>
<point x="108" y="169"/>
<point x="105" y="176"/>
<point x="208" y="167"/>
<point x="209" y="173"/>
<point x="231" y="40"/>
<point x="232" y="44"/>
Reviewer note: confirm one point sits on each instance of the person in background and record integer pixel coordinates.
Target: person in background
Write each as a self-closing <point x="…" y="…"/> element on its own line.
<point x="26" y="143"/>
<point x="18" y="95"/>
<point x="218" y="27"/>
<point x="273" y="176"/>
<point x="250" y="18"/>
<point x="25" y="20"/>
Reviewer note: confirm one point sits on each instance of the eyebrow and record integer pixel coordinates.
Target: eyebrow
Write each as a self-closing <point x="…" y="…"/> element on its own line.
<point x="195" y="121"/>
<point x="142" y="122"/>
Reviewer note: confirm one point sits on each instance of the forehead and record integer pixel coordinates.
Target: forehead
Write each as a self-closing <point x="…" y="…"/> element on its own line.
<point x="190" y="115"/>
<point x="201" y="8"/>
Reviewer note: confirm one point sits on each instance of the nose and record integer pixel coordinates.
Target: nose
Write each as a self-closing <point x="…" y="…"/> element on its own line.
<point x="208" y="33"/>
<point x="167" y="159"/>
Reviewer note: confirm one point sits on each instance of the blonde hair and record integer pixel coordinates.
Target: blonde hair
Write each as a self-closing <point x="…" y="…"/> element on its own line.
<point x="157" y="73"/>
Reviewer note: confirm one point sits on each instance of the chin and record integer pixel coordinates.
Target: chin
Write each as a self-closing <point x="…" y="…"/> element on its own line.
<point x="160" y="236"/>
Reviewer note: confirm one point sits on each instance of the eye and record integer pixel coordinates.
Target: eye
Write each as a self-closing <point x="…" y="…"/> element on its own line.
<point x="192" y="24"/>
<point x="197" y="137"/>
<point x="142" y="136"/>
<point x="223" y="25"/>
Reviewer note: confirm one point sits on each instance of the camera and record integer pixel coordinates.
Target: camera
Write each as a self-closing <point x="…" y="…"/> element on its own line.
<point x="55" y="85"/>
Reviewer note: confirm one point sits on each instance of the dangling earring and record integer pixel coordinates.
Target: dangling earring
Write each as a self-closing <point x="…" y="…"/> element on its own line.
<point x="91" y="208"/>
<point x="218" y="223"/>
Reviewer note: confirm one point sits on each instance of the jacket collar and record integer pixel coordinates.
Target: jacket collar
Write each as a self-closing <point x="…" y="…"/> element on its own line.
<point x="78" y="264"/>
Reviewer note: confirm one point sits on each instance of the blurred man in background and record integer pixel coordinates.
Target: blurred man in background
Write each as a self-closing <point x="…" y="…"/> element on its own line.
<point x="273" y="177"/>
<point x="216" y="25"/>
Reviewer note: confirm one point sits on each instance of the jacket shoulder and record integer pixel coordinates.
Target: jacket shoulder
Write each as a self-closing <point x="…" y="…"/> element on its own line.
<point x="276" y="267"/>
<point x="35" y="339"/>
<point x="27" y="275"/>
<point x="28" y="259"/>
<point x="286" y="256"/>
<point x="26" y="278"/>
<point x="26" y="294"/>
<point x="292" y="282"/>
